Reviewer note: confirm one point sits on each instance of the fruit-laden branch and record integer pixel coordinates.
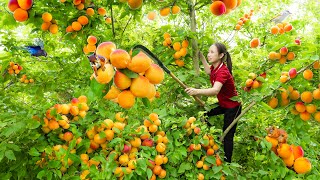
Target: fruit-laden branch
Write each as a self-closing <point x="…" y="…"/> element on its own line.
<point x="251" y="105"/>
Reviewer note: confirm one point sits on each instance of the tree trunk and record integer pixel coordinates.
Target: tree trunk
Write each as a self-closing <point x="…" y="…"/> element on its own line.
<point x="194" y="42"/>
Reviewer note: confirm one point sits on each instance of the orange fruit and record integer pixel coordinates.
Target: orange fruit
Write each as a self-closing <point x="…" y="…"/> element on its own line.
<point x="302" y="165"/>
<point x="20" y="15"/>
<point x="175" y="9"/>
<point x="165" y="11"/>
<point x="46" y="17"/>
<point x="255" y="42"/>
<point x="135" y="4"/>
<point x="306" y="97"/>
<point x="126" y="99"/>
<point x="308" y="74"/>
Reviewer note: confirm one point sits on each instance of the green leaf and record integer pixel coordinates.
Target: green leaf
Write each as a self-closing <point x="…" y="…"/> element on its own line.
<point x="129" y="73"/>
<point x="149" y="173"/>
<point x="135" y="52"/>
<point x="184" y="166"/>
<point x="216" y="169"/>
<point x="146" y="102"/>
<point x="210" y="159"/>
<point x="10" y="155"/>
<point x="41" y="174"/>
<point x="33" y="124"/>
<point x="34" y="152"/>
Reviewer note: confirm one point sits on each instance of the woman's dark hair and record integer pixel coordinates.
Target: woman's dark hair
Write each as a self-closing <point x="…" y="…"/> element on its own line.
<point x="222" y="49"/>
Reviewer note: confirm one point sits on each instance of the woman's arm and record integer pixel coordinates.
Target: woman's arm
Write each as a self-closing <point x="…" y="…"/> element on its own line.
<point x="205" y="63"/>
<point x="206" y="92"/>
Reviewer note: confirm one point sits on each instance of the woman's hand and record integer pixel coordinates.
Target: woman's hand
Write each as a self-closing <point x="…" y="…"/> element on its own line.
<point x="192" y="91"/>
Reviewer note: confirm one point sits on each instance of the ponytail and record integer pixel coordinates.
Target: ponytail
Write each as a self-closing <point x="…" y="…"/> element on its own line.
<point x="229" y="62"/>
<point x="222" y="49"/>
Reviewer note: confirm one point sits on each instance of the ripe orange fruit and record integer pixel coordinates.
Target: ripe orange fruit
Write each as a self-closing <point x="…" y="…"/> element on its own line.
<point x="275" y="30"/>
<point x="135" y="4"/>
<point x="162" y="174"/>
<point x="105" y="76"/>
<point x="305" y="116"/>
<point x="126" y="99"/>
<point x="76" y="26"/>
<point x="316" y="94"/>
<point x="105" y="49"/>
<point x="102" y="11"/>
<point x="273" y="141"/>
<point x="165" y="11"/>
<point x="308" y="74"/>
<point x="185" y="43"/>
<point x="300" y="107"/>
<point x="154" y="74"/>
<point x="138" y="86"/>
<point x="83" y="20"/>
<point x="302" y="165"/>
<point x="157" y="169"/>
<point x="218" y="8"/>
<point x="294" y="95"/>
<point x="160" y="147"/>
<point x="151" y="15"/>
<point x="175" y="9"/>
<point x="285" y="150"/>
<point x="272" y="55"/>
<point x="316" y="65"/>
<point x="112" y="93"/>
<point x="306" y="97"/>
<point x="46" y="17"/>
<point x="20" y="15"/>
<point x="120" y="58"/>
<point x="90" y="11"/>
<point x="139" y="63"/>
<point x="255" y="42"/>
<point x="290" y="56"/>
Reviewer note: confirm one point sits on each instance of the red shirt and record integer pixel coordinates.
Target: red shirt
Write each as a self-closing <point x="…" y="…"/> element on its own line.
<point x="228" y="90"/>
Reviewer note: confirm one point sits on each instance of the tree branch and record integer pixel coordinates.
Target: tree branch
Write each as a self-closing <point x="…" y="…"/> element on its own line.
<point x="126" y="25"/>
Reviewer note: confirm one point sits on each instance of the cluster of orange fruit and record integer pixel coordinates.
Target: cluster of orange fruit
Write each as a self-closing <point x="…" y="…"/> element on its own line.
<point x="282" y="56"/>
<point x="224" y="6"/>
<point x="180" y="48"/>
<point x="166" y="10"/>
<point x="78" y="3"/>
<point x="91" y="46"/>
<point x="125" y="154"/>
<point x="20" y="8"/>
<point x="141" y="83"/>
<point x="254" y="81"/>
<point x="209" y="146"/>
<point x="281" y="28"/>
<point x="291" y="155"/>
<point x="77" y="25"/>
<point x="243" y="19"/>
<point x="49" y="23"/>
<point x="14" y="68"/>
<point x="24" y="79"/>
<point x="60" y="115"/>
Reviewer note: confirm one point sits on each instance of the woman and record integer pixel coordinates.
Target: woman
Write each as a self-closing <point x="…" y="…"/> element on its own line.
<point x="223" y="87"/>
